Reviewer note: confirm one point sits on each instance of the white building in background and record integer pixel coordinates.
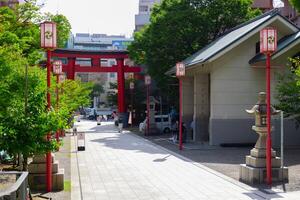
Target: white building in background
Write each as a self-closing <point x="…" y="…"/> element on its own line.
<point x="97" y="42"/>
<point x="143" y="17"/>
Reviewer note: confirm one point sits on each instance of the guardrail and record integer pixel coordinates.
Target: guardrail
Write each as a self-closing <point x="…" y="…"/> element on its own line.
<point x="18" y="191"/>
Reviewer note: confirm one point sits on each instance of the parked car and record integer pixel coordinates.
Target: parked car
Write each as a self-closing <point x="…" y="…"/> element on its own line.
<point x="90" y="113"/>
<point x="163" y="123"/>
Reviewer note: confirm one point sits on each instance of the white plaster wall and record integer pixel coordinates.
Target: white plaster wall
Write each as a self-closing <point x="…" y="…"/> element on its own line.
<point x="201" y="106"/>
<point x="235" y="84"/>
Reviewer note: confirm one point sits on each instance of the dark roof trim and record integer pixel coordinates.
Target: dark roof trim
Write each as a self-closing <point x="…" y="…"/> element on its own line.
<point x="281" y="46"/>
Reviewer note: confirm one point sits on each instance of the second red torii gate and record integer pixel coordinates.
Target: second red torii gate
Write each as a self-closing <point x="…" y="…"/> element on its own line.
<point x="70" y="68"/>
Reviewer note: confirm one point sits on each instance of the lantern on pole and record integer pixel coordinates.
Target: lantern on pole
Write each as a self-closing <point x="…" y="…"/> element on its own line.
<point x="62" y="78"/>
<point x="48" y="35"/>
<point x="180" y="72"/>
<point x="268" y="44"/>
<point x="268" y="40"/>
<point x="48" y="42"/>
<point x="57" y="67"/>
<point x="180" y="69"/>
<point x="147" y="80"/>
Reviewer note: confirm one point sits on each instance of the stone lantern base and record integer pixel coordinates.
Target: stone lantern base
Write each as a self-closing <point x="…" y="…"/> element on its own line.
<point x="37" y="174"/>
<point x="255" y="172"/>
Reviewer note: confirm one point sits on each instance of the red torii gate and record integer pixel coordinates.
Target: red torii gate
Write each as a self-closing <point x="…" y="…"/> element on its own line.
<point x="120" y="68"/>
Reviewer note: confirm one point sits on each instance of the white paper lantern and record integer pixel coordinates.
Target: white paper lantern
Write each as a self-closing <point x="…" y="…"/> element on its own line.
<point x="268" y="40"/>
<point x="48" y="35"/>
<point x="180" y="69"/>
<point x="147" y="80"/>
<point x="57" y="67"/>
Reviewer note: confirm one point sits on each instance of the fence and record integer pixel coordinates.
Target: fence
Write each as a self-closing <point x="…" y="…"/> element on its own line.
<point x="18" y="191"/>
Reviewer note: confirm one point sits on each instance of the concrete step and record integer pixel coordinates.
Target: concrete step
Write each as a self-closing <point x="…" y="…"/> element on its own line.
<point x="38" y="181"/>
<point x="261" y="153"/>
<point x="252" y="175"/>
<point x="261" y="162"/>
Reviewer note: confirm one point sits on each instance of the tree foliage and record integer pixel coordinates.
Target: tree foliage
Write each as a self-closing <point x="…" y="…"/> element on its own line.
<point x="112" y="98"/>
<point x="24" y="119"/>
<point x="288" y="91"/>
<point x="179" y="28"/>
<point x="296" y="4"/>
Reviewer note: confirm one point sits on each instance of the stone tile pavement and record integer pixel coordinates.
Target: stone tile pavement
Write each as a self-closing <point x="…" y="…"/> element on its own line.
<point x="121" y="166"/>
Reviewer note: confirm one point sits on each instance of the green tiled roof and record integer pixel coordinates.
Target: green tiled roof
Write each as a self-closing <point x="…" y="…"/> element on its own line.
<point x="282" y="44"/>
<point x="227" y="39"/>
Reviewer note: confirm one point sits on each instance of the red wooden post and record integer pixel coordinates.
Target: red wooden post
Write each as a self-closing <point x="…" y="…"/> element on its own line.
<point x="48" y="155"/>
<point x="71" y="68"/>
<point x="121" y="85"/>
<point x="147" y="83"/>
<point x="268" y="44"/>
<point x="180" y="72"/>
<point x="180" y="114"/>
<point x="148" y="111"/>
<point x="269" y="142"/>
<point x="57" y="99"/>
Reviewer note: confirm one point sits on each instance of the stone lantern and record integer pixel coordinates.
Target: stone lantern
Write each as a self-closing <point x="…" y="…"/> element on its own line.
<point x="254" y="171"/>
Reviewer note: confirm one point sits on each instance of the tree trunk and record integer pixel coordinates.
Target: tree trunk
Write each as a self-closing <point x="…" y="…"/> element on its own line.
<point x="25" y="163"/>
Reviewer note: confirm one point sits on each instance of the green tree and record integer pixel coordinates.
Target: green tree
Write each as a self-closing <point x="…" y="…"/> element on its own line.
<point x="112" y="97"/>
<point x="24" y="119"/>
<point x="24" y="125"/>
<point x="288" y="91"/>
<point x="63" y="28"/>
<point x="179" y="28"/>
<point x="296" y="4"/>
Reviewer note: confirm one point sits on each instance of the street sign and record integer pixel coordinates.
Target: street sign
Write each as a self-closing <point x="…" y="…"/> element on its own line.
<point x="81" y="141"/>
<point x="147" y="80"/>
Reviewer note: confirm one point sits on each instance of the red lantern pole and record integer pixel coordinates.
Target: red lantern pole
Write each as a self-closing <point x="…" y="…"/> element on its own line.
<point x="48" y="156"/>
<point x="148" y="110"/>
<point x="57" y="99"/>
<point x="180" y="72"/>
<point x="48" y="41"/>
<point x="268" y="45"/>
<point x="269" y="142"/>
<point x="180" y="114"/>
<point x="147" y="83"/>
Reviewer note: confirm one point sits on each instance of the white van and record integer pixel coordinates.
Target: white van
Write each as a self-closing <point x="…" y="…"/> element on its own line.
<point x="163" y="123"/>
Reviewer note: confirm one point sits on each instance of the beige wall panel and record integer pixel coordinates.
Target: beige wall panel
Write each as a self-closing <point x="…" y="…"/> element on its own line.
<point x="235" y="84"/>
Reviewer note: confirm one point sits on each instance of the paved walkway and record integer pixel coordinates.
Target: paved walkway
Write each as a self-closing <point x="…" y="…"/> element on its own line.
<point x="121" y="166"/>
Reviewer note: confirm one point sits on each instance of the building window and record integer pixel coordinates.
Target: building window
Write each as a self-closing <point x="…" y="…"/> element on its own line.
<point x="143" y="8"/>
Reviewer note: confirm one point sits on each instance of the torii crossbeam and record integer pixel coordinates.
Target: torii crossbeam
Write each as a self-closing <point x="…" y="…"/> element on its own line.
<point x="70" y="68"/>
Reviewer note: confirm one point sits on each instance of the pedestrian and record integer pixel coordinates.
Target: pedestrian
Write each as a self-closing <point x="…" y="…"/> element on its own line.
<point x="74" y="130"/>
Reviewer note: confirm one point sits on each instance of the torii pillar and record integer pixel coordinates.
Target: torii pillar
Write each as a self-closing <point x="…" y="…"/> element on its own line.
<point x="71" y="68"/>
<point x="121" y="88"/>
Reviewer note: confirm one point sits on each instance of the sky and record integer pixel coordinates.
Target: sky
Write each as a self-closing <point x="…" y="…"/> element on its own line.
<point x="112" y="17"/>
